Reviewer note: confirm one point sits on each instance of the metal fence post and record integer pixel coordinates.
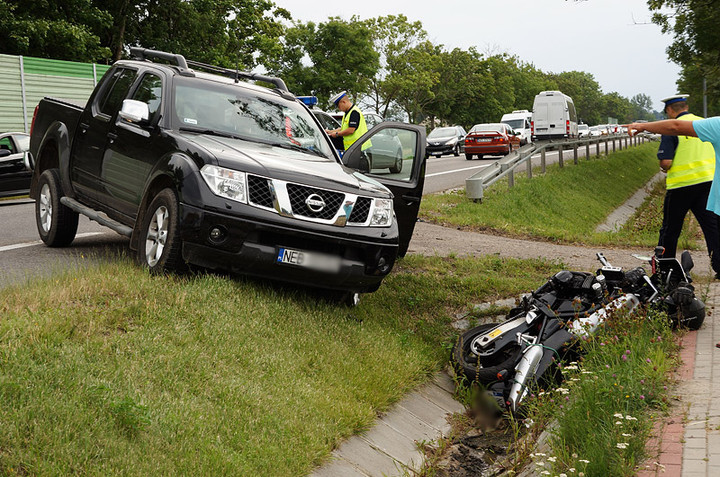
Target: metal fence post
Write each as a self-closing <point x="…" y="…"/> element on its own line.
<point x="542" y="160"/>
<point x="575" y="154"/>
<point x="613" y="141"/>
<point x="529" y="167"/>
<point x="587" y="151"/>
<point x="561" y="160"/>
<point x="23" y="94"/>
<point x="511" y="177"/>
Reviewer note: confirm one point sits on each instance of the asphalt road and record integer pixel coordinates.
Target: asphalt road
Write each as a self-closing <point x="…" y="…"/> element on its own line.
<point x="23" y="256"/>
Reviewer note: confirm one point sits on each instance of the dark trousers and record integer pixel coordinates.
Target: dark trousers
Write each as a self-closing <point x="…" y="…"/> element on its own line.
<point x="677" y="204"/>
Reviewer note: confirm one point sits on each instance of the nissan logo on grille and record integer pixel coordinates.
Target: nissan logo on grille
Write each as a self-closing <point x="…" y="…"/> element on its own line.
<point x="315" y="203"/>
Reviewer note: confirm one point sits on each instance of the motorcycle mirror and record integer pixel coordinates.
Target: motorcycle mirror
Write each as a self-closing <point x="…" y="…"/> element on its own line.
<point x="686" y="261"/>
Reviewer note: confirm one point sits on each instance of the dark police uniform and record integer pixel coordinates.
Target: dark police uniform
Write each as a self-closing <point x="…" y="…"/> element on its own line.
<point x="688" y="187"/>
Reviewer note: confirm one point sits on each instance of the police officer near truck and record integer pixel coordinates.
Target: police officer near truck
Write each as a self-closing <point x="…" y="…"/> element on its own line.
<point x="690" y="166"/>
<point x="353" y="124"/>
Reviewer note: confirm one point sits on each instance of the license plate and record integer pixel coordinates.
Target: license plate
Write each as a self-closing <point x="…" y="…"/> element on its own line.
<point x="484" y="139"/>
<point x="312" y="260"/>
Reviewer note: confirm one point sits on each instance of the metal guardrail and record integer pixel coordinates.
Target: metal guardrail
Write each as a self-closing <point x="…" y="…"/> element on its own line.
<point x="505" y="167"/>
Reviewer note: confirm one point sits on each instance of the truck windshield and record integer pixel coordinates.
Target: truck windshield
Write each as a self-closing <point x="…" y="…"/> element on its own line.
<point x="515" y="123"/>
<point x="228" y="110"/>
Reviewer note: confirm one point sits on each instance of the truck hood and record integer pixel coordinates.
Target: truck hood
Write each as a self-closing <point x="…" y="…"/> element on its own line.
<point x="286" y="164"/>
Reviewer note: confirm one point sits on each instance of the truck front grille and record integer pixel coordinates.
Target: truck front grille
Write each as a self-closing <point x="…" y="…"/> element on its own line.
<point x="314" y="203"/>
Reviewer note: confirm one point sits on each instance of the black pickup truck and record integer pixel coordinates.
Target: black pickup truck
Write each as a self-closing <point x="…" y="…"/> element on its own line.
<point x="225" y="170"/>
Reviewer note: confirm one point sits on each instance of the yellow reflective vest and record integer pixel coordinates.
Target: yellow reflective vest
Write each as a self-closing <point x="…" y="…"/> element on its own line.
<point x="359" y="131"/>
<point x="694" y="160"/>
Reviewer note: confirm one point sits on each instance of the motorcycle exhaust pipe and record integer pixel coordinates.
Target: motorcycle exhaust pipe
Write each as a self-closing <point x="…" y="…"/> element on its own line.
<point x="523" y="371"/>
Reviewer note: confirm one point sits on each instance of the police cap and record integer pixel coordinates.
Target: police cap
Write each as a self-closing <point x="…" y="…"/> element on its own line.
<point x="336" y="99"/>
<point x="675" y="99"/>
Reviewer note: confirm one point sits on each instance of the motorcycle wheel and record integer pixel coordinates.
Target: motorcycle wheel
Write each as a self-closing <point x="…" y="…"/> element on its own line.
<point x="483" y="370"/>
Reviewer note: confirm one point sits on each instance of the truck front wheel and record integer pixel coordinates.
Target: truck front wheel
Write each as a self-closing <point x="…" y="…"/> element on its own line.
<point x="56" y="223"/>
<point x="160" y="244"/>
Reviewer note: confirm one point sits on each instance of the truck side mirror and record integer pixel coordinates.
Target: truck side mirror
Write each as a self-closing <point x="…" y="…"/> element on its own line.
<point x="5" y="152"/>
<point x="134" y="111"/>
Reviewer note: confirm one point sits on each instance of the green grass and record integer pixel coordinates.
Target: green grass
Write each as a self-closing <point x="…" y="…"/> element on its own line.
<point x="565" y="204"/>
<point x="603" y="412"/>
<point x="110" y="370"/>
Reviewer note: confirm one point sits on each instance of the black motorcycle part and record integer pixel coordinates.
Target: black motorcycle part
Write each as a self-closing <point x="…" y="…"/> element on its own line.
<point x="483" y="369"/>
<point x="691" y="315"/>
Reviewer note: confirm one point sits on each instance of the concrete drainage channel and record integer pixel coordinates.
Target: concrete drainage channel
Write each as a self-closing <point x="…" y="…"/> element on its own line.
<point x="390" y="447"/>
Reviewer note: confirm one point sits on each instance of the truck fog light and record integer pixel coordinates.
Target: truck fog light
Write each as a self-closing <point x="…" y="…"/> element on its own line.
<point x="383" y="266"/>
<point x="217" y="234"/>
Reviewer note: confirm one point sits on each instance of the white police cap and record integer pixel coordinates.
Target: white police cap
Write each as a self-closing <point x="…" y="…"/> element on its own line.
<point x="675" y="99"/>
<point x="335" y="99"/>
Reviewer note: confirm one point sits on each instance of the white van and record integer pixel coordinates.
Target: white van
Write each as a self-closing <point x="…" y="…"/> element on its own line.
<point x="519" y="120"/>
<point x="554" y="116"/>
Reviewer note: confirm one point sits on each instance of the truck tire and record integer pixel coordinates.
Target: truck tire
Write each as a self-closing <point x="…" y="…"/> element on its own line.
<point x="468" y="156"/>
<point x="160" y="243"/>
<point x="56" y="223"/>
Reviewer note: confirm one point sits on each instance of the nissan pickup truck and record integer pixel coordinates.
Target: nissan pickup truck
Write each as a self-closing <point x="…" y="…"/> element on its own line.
<point x="223" y="169"/>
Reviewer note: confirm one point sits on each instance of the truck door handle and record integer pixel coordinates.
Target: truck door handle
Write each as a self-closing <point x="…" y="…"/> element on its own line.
<point x="410" y="199"/>
<point x="112" y="136"/>
<point x="84" y="127"/>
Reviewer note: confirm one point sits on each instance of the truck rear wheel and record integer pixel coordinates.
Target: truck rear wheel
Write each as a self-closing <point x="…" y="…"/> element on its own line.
<point x="56" y="223"/>
<point x="160" y="243"/>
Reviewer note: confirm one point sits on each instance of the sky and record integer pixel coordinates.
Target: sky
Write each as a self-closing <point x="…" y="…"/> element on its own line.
<point x="614" y="40"/>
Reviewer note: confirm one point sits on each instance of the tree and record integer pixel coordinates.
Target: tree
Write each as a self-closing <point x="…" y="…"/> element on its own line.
<point x="231" y="33"/>
<point x="695" y="47"/>
<point x="393" y="36"/>
<point x="62" y="29"/>
<point x="642" y="107"/>
<point x="412" y="77"/>
<point x="586" y="95"/>
<point x="327" y="58"/>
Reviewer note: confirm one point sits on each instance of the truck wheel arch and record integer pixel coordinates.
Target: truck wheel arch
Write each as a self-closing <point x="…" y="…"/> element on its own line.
<point x="176" y="171"/>
<point x="54" y="152"/>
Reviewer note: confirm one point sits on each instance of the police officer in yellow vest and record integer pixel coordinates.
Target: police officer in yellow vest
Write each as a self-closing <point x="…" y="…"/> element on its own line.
<point x="353" y="123"/>
<point x="690" y="166"/>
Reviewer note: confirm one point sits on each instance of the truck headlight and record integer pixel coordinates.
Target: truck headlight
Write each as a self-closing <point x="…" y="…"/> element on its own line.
<point x="382" y="213"/>
<point x="225" y="183"/>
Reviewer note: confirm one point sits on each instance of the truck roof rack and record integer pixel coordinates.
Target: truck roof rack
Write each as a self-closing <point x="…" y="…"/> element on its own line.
<point x="236" y="75"/>
<point x="144" y="54"/>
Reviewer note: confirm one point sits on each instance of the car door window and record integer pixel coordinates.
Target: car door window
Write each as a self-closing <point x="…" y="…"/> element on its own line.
<point x="150" y="92"/>
<point x="7" y="144"/>
<point x="121" y="81"/>
<point x="390" y="154"/>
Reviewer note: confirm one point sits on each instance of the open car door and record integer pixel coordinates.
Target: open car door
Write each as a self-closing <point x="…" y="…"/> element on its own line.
<point x="393" y="153"/>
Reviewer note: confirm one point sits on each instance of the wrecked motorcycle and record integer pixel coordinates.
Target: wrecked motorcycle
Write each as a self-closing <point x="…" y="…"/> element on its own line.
<point x="511" y="357"/>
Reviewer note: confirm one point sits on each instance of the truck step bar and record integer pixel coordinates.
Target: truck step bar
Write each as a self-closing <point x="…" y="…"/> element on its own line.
<point x="98" y="217"/>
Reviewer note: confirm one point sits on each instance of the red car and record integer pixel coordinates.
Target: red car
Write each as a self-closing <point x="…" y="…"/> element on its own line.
<point x="494" y="139"/>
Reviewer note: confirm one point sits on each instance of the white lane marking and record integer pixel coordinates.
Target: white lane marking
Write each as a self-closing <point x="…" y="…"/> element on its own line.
<point x="456" y="170"/>
<point x="39" y="242"/>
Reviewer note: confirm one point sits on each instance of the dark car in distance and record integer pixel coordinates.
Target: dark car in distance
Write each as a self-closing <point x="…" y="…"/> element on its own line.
<point x="15" y="164"/>
<point x="446" y="140"/>
<point x="200" y="165"/>
<point x="492" y="139"/>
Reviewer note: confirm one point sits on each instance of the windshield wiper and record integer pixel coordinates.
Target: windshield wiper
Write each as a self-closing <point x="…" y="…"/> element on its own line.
<point x="212" y="132"/>
<point x="297" y="147"/>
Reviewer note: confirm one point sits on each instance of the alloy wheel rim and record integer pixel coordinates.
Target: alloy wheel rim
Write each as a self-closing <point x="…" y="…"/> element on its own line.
<point x="45" y="208"/>
<point x="156" y="236"/>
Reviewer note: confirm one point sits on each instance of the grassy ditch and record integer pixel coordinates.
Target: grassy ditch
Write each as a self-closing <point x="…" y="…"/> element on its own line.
<point x="566" y="204"/>
<point x="602" y="414"/>
<point x="110" y="370"/>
